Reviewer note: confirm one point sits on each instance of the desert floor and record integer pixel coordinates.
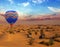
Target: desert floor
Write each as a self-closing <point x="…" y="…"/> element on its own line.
<point x="30" y="36"/>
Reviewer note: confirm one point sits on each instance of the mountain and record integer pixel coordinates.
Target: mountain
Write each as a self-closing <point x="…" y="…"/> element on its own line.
<point x="35" y="19"/>
<point x="44" y="17"/>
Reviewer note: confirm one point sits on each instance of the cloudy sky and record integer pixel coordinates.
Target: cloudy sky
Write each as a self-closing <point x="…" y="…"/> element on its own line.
<point x="31" y="6"/>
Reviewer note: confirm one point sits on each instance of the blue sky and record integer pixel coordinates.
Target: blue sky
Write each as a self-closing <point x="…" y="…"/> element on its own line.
<point x="31" y="6"/>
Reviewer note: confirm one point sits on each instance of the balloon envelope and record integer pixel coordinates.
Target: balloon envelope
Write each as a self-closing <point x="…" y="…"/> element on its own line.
<point x="11" y="17"/>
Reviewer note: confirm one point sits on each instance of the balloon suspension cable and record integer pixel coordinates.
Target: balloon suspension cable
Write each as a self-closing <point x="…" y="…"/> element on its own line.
<point x="11" y="26"/>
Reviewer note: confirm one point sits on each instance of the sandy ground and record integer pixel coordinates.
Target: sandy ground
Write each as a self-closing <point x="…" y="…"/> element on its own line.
<point x="18" y="36"/>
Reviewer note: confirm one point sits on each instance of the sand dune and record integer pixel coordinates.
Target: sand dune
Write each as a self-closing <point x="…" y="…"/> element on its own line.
<point x="18" y="37"/>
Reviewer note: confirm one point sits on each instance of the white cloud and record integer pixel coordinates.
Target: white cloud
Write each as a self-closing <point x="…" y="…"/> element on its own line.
<point x="25" y="4"/>
<point x="11" y="1"/>
<point x="38" y="1"/>
<point x="54" y="9"/>
<point x="34" y="1"/>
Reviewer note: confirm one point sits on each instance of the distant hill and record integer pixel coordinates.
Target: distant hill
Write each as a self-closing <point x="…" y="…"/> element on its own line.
<point x="44" y="17"/>
<point x="37" y="19"/>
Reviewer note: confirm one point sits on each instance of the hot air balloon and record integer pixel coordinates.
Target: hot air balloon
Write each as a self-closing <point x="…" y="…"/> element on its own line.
<point x="11" y="17"/>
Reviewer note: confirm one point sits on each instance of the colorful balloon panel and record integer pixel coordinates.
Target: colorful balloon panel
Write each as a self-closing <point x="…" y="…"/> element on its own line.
<point x="11" y="17"/>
